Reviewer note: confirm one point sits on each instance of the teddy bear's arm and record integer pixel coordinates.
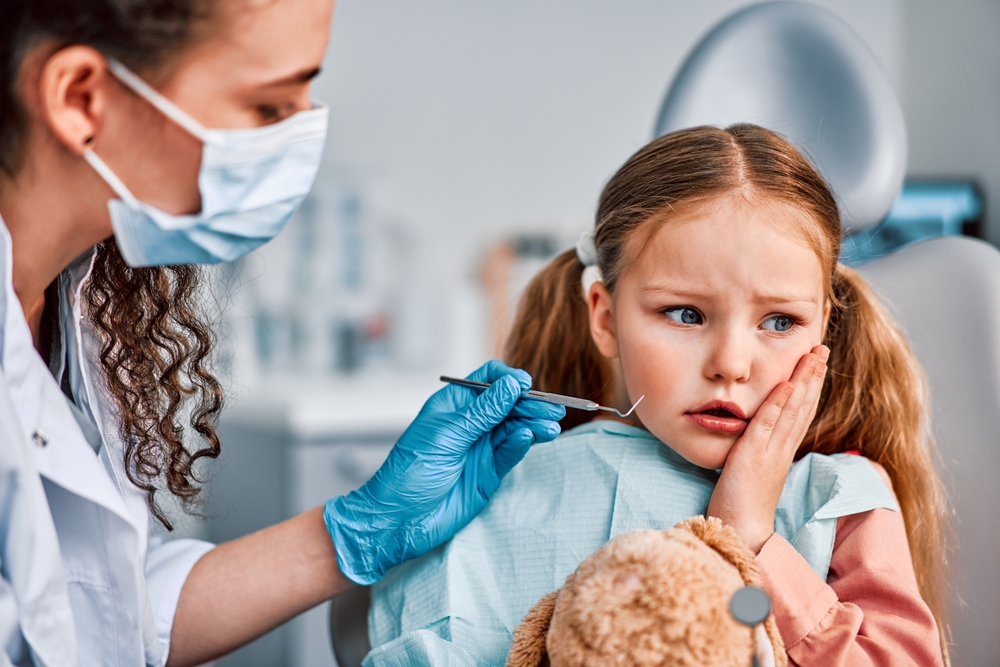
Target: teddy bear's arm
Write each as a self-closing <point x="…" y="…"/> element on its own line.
<point x="528" y="649"/>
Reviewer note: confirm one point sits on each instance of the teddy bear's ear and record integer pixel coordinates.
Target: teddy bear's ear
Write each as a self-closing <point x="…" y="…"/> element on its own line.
<point x="528" y="649"/>
<point x="724" y="540"/>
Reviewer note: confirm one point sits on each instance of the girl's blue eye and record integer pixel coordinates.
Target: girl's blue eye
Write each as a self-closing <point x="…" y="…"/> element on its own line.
<point x="778" y="323"/>
<point x="683" y="315"/>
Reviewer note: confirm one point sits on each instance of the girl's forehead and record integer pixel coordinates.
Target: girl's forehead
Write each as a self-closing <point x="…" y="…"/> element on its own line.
<point x="733" y="243"/>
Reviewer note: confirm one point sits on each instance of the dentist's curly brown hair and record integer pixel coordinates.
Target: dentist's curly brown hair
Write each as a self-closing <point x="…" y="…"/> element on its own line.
<point x="156" y="348"/>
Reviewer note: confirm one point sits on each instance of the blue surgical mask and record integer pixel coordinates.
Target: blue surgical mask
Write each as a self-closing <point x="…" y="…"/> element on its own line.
<point x="251" y="181"/>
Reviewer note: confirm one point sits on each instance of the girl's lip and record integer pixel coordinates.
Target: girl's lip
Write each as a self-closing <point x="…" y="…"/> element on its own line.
<point x="714" y="423"/>
<point x="722" y="405"/>
<point x="735" y="424"/>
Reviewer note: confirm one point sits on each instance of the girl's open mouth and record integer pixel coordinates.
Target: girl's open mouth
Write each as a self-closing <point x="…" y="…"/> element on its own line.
<point x="719" y="416"/>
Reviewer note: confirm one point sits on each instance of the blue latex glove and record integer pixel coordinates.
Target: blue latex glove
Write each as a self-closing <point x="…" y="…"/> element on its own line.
<point x="440" y="474"/>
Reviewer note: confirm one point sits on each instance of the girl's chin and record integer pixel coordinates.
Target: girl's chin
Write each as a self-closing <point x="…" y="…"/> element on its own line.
<point x="704" y="451"/>
<point x="715" y="463"/>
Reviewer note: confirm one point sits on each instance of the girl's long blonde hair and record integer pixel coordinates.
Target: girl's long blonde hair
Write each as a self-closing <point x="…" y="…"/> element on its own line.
<point x="875" y="397"/>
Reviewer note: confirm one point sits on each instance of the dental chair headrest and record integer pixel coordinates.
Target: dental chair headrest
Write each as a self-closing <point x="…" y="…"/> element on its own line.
<point x="800" y="71"/>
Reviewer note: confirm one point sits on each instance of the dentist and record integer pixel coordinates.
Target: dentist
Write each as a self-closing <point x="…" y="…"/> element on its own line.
<point x="139" y="138"/>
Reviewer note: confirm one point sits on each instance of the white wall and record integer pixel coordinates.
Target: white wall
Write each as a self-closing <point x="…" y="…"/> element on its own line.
<point x="473" y="117"/>
<point x="951" y="93"/>
<point x="462" y="122"/>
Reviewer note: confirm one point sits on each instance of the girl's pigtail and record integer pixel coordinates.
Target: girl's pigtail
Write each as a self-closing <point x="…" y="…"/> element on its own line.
<point x="550" y="337"/>
<point x="876" y="401"/>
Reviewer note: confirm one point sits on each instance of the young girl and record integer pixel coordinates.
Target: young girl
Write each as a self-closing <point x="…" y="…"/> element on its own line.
<point x="711" y="287"/>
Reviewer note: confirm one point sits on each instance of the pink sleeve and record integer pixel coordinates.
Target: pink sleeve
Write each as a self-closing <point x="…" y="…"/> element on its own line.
<point x="868" y="612"/>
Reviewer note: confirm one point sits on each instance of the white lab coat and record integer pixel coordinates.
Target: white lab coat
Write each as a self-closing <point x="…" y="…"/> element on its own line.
<point x="80" y="582"/>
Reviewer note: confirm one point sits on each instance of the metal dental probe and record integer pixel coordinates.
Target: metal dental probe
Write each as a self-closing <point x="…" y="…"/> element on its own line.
<point x="558" y="399"/>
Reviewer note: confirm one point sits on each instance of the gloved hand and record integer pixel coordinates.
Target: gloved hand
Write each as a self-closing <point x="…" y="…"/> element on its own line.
<point x="440" y="474"/>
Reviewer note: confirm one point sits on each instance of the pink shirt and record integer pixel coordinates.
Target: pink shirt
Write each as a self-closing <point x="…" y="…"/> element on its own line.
<point x="868" y="611"/>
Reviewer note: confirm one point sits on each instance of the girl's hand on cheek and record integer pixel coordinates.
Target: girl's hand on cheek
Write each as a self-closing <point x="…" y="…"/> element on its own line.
<point x="757" y="466"/>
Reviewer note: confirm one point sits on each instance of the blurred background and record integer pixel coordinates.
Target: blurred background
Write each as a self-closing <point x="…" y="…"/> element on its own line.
<point x="469" y="142"/>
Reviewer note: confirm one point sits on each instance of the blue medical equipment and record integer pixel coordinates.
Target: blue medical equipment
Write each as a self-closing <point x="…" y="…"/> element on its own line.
<point x="923" y="210"/>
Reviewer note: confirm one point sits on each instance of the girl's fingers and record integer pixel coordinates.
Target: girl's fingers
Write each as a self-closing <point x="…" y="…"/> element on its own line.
<point x="785" y="415"/>
<point x="816" y="386"/>
<point x="810" y="401"/>
<point x="801" y="406"/>
<point x="761" y="427"/>
<point x="790" y="414"/>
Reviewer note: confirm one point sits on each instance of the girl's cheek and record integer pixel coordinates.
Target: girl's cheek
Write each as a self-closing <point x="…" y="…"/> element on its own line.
<point x="777" y="365"/>
<point x="655" y="366"/>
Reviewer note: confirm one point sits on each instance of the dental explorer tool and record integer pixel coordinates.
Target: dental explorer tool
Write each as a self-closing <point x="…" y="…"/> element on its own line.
<point x="558" y="399"/>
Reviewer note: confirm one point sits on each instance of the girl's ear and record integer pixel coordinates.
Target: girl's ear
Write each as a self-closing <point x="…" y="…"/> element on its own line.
<point x="827" y="308"/>
<point x="602" y="321"/>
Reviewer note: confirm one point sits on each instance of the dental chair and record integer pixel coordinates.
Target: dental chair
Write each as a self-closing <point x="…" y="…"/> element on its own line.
<point x="798" y="70"/>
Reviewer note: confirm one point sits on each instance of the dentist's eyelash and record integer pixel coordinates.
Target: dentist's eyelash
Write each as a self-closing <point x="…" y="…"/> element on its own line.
<point x="273" y="113"/>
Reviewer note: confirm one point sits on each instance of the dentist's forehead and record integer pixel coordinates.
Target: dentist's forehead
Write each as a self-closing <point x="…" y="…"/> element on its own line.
<point x="275" y="34"/>
<point x="248" y="45"/>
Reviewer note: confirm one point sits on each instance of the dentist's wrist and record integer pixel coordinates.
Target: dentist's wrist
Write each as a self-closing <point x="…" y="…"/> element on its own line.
<point x="359" y="542"/>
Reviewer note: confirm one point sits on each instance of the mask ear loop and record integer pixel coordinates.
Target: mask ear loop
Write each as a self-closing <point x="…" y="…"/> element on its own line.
<point x="168" y="108"/>
<point x="111" y="178"/>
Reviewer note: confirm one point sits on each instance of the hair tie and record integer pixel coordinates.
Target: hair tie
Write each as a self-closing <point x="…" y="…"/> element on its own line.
<point x="586" y="252"/>
<point x="586" y="249"/>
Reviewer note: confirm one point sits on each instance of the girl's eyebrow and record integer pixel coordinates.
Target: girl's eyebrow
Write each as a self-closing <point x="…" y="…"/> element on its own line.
<point x="687" y="293"/>
<point x="675" y="291"/>
<point x="773" y="298"/>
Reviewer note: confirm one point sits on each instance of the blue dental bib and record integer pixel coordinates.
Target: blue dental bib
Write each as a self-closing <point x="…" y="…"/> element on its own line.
<point x="460" y="603"/>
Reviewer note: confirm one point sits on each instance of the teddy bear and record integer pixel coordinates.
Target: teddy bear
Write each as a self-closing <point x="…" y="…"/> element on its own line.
<point x="653" y="597"/>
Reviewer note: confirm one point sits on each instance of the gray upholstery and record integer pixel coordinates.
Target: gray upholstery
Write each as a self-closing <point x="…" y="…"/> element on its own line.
<point x="799" y="70"/>
<point x="945" y="293"/>
<point x="349" y="626"/>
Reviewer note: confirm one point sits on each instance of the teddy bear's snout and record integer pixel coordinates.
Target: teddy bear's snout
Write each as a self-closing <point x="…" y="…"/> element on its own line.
<point x="626" y="583"/>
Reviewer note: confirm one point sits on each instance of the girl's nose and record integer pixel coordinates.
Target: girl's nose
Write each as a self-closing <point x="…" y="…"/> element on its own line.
<point x="729" y="359"/>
